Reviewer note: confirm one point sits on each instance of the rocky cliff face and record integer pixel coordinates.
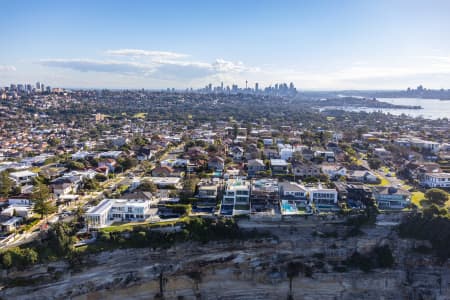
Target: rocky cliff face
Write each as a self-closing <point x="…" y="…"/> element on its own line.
<point x="254" y="269"/>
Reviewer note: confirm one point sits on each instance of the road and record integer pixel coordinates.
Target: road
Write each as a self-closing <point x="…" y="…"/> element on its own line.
<point x="393" y="180"/>
<point x="108" y="186"/>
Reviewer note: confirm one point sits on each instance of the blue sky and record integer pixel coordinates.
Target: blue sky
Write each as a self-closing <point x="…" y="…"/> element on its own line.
<point x="388" y="44"/>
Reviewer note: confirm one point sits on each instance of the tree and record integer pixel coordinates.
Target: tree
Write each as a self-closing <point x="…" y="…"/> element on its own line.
<point x="60" y="238"/>
<point x="374" y="163"/>
<point x="79" y="213"/>
<point x="189" y="187"/>
<point x="235" y="130"/>
<point x="128" y="163"/>
<point x="53" y="142"/>
<point x="7" y="260"/>
<point x="40" y="197"/>
<point x="90" y="184"/>
<point x="148" y="186"/>
<point x="437" y="196"/>
<point x="6" y="184"/>
<point x="75" y="165"/>
<point x="292" y="271"/>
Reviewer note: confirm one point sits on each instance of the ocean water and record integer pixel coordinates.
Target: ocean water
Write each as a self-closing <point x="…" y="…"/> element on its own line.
<point x="431" y="108"/>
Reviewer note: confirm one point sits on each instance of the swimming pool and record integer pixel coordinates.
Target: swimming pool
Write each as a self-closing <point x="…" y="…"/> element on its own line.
<point x="288" y="207"/>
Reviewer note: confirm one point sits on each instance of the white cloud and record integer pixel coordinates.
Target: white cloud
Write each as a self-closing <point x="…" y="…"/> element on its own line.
<point x="88" y="65"/>
<point x="183" y="71"/>
<point x="146" y="53"/>
<point x="154" y="64"/>
<point x="223" y="66"/>
<point x="5" y="68"/>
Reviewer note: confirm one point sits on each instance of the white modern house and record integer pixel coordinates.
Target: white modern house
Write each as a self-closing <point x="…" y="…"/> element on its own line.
<point x="117" y="210"/>
<point x="436" y="180"/>
<point x="285" y="151"/>
<point x="79" y="155"/>
<point x="334" y="170"/>
<point x="236" y="196"/>
<point x="293" y="191"/>
<point x="323" y="198"/>
<point x="22" y="177"/>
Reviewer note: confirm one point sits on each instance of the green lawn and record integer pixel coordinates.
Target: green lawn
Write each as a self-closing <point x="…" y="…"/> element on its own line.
<point x="384" y="182"/>
<point x="385" y="169"/>
<point x="416" y="197"/>
<point x="129" y="226"/>
<point x="140" y="115"/>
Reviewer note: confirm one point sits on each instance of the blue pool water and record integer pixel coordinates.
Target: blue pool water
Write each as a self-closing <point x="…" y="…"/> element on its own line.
<point x="288" y="207"/>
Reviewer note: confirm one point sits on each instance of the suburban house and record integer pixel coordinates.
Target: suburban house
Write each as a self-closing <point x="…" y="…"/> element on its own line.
<point x="268" y="142"/>
<point x="23" y="211"/>
<point x="271" y="154"/>
<point x="255" y="166"/>
<point x="166" y="182"/>
<point x="110" y="154"/>
<point x="11" y="224"/>
<point x="252" y="152"/>
<point x="382" y="153"/>
<point x="109" y="163"/>
<point x="362" y="176"/>
<point x="327" y="156"/>
<point x="163" y="171"/>
<point x="435" y="180"/>
<point x="391" y="197"/>
<point x="117" y="210"/>
<point x="65" y="185"/>
<point x="264" y="196"/>
<point x="285" y="151"/>
<point x="417" y="170"/>
<point x="307" y="154"/>
<point x="323" y="198"/>
<point x="144" y="154"/>
<point x="237" y="152"/>
<point x="279" y="166"/>
<point x="175" y="163"/>
<point x="334" y="171"/>
<point x="52" y="172"/>
<point x="104" y="170"/>
<point x="418" y="143"/>
<point x="236" y="197"/>
<point x="216" y="163"/>
<point x="81" y="155"/>
<point x="292" y="191"/>
<point x="207" y="195"/>
<point x="22" y="177"/>
<point x="354" y="195"/>
<point x="305" y="169"/>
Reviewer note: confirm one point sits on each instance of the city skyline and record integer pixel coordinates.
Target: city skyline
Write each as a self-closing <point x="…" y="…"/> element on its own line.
<point x="322" y="46"/>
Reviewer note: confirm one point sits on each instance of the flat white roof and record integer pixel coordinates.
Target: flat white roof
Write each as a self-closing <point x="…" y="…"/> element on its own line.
<point x="25" y="173"/>
<point x="100" y="208"/>
<point x="12" y="221"/>
<point x="278" y="162"/>
<point x="165" y="180"/>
